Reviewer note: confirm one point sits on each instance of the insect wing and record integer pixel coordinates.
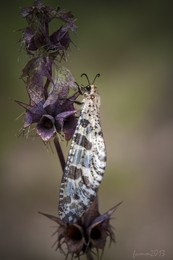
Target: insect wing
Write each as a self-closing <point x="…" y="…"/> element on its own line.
<point x="85" y="165"/>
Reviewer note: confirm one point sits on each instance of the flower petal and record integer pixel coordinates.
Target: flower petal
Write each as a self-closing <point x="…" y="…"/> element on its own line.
<point x="97" y="236"/>
<point x="46" y="128"/>
<point x="100" y="229"/>
<point x="33" y="114"/>
<point x="71" y="235"/>
<point x="34" y="73"/>
<point x="57" y="101"/>
<point x="74" y="238"/>
<point x="65" y="122"/>
<point x="60" y="39"/>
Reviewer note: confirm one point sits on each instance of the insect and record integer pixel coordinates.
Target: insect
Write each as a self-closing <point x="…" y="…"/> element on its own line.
<point x="86" y="159"/>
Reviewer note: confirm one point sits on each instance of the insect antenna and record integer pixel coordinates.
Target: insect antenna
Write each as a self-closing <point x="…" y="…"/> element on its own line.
<point x="96" y="76"/>
<point x="84" y="74"/>
<point x="80" y="88"/>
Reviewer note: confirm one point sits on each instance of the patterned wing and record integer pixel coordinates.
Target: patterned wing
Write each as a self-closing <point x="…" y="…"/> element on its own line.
<point x="85" y="165"/>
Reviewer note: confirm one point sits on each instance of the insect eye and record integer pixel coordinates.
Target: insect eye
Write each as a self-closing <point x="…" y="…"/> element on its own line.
<point x="88" y="88"/>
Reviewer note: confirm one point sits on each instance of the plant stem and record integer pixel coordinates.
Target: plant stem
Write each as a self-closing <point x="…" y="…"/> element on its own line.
<point x="59" y="152"/>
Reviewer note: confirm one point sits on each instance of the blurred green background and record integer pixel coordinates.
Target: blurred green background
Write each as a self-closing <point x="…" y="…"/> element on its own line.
<point x="130" y="44"/>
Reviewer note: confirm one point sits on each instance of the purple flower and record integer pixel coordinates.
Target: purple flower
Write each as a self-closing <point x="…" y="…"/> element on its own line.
<point x="49" y="107"/>
<point x="90" y="232"/>
<point x="36" y="36"/>
<point x="55" y="112"/>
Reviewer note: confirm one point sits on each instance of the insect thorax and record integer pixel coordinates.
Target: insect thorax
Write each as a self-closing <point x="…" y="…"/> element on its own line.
<point x="91" y="95"/>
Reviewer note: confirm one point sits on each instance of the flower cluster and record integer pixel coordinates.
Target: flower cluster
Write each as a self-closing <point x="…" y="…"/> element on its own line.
<point x="47" y="83"/>
<point x="36" y="36"/>
<point x="88" y="235"/>
<point x="56" y="113"/>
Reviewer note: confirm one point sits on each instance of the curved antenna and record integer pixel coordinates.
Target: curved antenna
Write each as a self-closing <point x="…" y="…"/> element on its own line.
<point x="79" y="88"/>
<point x="84" y="74"/>
<point x="96" y="76"/>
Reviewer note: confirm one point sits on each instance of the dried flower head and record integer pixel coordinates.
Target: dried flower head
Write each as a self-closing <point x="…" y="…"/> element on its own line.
<point x="88" y="235"/>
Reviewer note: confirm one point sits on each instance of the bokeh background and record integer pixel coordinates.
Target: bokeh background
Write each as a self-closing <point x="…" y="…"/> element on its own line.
<point x="130" y="44"/>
